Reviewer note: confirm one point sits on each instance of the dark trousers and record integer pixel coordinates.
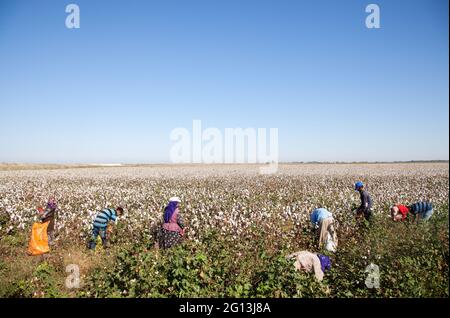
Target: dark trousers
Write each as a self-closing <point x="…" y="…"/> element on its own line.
<point x="368" y="215"/>
<point x="51" y="227"/>
<point x="96" y="231"/>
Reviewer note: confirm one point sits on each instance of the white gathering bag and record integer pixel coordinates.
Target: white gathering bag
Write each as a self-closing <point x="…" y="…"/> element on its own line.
<point x="330" y="246"/>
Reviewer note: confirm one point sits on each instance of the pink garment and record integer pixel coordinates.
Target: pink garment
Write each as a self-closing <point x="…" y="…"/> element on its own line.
<point x="172" y="225"/>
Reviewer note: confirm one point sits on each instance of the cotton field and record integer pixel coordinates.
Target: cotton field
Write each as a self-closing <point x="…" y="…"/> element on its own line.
<point x="241" y="225"/>
<point x="231" y="199"/>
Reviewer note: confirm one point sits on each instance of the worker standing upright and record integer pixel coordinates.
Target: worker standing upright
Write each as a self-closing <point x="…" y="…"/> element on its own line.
<point x="365" y="209"/>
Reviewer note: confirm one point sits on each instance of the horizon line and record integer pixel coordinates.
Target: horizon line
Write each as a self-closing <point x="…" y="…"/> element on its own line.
<point x="112" y="164"/>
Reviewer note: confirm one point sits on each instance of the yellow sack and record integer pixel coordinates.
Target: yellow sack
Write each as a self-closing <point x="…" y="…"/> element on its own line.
<point x="99" y="245"/>
<point x="39" y="240"/>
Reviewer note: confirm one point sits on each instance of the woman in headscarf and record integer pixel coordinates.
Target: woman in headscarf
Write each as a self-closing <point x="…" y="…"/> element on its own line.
<point x="49" y="215"/>
<point x="172" y="230"/>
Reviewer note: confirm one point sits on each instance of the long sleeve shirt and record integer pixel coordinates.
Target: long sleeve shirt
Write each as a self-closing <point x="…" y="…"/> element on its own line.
<point x="104" y="217"/>
<point x="308" y="262"/>
<point x="366" y="202"/>
<point x="420" y="207"/>
<point x="175" y="223"/>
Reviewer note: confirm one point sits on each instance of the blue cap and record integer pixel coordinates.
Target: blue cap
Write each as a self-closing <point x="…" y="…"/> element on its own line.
<point x="358" y="185"/>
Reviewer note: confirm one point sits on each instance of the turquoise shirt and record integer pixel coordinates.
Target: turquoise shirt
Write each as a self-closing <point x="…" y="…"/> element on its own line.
<point x="104" y="216"/>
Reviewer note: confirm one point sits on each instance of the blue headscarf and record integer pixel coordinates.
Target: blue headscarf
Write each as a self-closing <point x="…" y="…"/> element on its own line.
<point x="169" y="210"/>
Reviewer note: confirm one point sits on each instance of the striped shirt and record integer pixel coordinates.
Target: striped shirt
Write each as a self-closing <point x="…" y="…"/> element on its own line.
<point x="420" y="207"/>
<point x="104" y="216"/>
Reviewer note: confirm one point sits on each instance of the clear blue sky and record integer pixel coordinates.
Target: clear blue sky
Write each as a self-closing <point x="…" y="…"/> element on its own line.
<point x="113" y="90"/>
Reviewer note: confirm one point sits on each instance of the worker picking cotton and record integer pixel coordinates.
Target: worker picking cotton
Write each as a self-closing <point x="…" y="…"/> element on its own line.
<point x="323" y="220"/>
<point x="172" y="231"/>
<point x="103" y="226"/>
<point x="311" y="262"/>
<point x="49" y="215"/>
<point x="365" y="209"/>
<point x="419" y="210"/>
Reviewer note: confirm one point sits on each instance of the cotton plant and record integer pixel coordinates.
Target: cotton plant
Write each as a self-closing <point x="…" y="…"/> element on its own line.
<point x="213" y="199"/>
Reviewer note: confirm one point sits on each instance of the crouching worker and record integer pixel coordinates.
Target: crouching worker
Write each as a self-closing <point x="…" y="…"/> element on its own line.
<point x="102" y="225"/>
<point x="172" y="230"/>
<point x="419" y="210"/>
<point x="311" y="262"/>
<point x="323" y="220"/>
